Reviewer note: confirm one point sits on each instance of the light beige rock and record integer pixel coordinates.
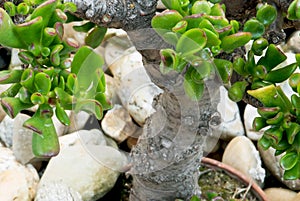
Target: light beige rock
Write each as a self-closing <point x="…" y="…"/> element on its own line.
<point x="280" y="194"/>
<point x="134" y="87"/>
<point x="111" y="90"/>
<point x="272" y="163"/>
<point x="116" y="46"/>
<point x="241" y="154"/>
<point x="58" y="192"/>
<point x="297" y="198"/>
<point x="17" y="182"/>
<point x="85" y="164"/>
<point x="22" y="140"/>
<point x="231" y="125"/>
<point x="160" y="5"/>
<point x="118" y="124"/>
<point x="69" y="32"/>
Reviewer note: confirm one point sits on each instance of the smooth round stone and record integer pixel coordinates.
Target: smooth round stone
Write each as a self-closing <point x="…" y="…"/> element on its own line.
<point x="242" y="155"/>
<point x="280" y="194"/>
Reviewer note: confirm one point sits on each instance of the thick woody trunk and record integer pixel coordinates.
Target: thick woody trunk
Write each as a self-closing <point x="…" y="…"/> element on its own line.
<point x="167" y="156"/>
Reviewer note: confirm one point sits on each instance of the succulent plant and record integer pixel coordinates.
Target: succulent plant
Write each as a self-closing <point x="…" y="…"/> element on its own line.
<point x="56" y="75"/>
<point x="199" y="31"/>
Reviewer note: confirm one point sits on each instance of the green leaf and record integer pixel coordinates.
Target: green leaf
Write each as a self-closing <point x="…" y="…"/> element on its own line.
<point x="266" y="14"/>
<point x="195" y="198"/>
<point x="8" y="37"/>
<point x="238" y="66"/>
<point x="46" y="144"/>
<point x="90" y="106"/>
<point x="10" y="76"/>
<point x="282" y="74"/>
<point x="12" y="91"/>
<point x="10" y="8"/>
<point x="268" y="112"/>
<point x="24" y="95"/>
<point x="237" y="90"/>
<point x="65" y="99"/>
<point x="272" y="58"/>
<point x="212" y="38"/>
<point x="292" y="131"/>
<point x="27" y="79"/>
<point x="191" y="41"/>
<point x="293" y="173"/>
<point x="95" y="37"/>
<point x="23" y="8"/>
<point x="180" y="27"/>
<point x="271" y="96"/>
<point x="289" y="160"/>
<point x="42" y="83"/>
<point x="12" y="106"/>
<point x="57" y="16"/>
<point x="173" y="5"/>
<point x="274" y="134"/>
<point x="258" y="123"/>
<point x="201" y="7"/>
<point x="217" y="10"/>
<point x="193" y="89"/>
<point x="224" y="68"/>
<point x="166" y="20"/>
<point x="294" y="81"/>
<point x="259" y="45"/>
<point x="44" y="10"/>
<point x="231" y="42"/>
<point x="264" y="143"/>
<point x="61" y="115"/>
<point x="85" y="27"/>
<point x="256" y="28"/>
<point x="37" y="98"/>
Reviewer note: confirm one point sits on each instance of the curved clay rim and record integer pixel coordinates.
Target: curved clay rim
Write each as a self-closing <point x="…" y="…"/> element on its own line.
<point x="258" y="191"/>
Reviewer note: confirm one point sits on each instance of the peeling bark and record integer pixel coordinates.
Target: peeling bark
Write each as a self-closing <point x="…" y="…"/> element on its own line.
<point x="125" y="14"/>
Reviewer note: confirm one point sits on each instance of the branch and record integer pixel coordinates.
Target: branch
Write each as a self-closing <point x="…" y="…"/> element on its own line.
<point x="125" y="14"/>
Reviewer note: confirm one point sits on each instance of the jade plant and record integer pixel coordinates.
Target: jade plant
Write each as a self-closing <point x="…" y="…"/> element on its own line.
<point x="199" y="32"/>
<point x="56" y="75"/>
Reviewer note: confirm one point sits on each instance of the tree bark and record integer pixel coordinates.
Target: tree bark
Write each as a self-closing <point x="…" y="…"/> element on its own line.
<point x="167" y="157"/>
<point x="125" y="14"/>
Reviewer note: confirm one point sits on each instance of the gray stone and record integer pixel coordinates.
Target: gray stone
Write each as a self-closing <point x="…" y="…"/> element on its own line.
<point x="86" y="164"/>
<point x="17" y="182"/>
<point x="78" y="121"/>
<point x="56" y="191"/>
<point x="22" y="140"/>
<point x="272" y="163"/>
<point x="293" y="43"/>
<point x="6" y="131"/>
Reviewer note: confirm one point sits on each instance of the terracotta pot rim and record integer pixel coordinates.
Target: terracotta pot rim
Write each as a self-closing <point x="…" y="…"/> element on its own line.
<point x="238" y="174"/>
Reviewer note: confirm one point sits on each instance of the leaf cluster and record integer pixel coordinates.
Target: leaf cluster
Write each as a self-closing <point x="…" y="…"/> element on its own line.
<point x="199" y="31"/>
<point x="57" y="74"/>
